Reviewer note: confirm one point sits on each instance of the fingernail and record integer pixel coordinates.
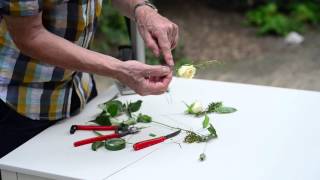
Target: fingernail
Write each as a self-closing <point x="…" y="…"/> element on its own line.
<point x="165" y="69"/>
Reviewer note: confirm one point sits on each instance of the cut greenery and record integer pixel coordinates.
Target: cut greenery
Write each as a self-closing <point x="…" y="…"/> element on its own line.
<point x="196" y="109"/>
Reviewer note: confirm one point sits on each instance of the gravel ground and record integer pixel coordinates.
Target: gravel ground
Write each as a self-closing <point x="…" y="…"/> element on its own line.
<point x="208" y="34"/>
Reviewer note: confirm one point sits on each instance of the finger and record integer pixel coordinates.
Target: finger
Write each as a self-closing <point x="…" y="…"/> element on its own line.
<point x="156" y="88"/>
<point x="165" y="47"/>
<point x="156" y="71"/>
<point x="171" y="36"/>
<point x="152" y="44"/>
<point x="161" y="86"/>
<point x="176" y="36"/>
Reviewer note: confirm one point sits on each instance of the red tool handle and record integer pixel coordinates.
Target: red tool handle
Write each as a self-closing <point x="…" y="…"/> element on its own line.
<point x="97" y="128"/>
<point x="143" y="144"/>
<point x="95" y="139"/>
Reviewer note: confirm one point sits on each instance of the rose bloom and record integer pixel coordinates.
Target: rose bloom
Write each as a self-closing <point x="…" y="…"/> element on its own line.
<point x="187" y="71"/>
<point x="197" y="107"/>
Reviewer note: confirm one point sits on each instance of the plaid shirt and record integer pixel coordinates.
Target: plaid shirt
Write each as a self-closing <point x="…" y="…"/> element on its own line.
<point x="34" y="89"/>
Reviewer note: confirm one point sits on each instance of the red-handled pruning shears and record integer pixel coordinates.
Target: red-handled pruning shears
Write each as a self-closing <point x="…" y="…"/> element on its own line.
<point x="143" y="144"/>
<point x="119" y="132"/>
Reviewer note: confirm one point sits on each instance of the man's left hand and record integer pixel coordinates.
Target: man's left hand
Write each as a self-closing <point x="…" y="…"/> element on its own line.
<point x="160" y="34"/>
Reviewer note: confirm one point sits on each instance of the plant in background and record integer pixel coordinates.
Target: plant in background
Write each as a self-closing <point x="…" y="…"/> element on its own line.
<point x="282" y="18"/>
<point x="269" y="19"/>
<point x="111" y="31"/>
<point x="307" y="12"/>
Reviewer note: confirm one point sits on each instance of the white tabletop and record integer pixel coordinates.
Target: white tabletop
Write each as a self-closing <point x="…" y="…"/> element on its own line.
<point x="274" y="135"/>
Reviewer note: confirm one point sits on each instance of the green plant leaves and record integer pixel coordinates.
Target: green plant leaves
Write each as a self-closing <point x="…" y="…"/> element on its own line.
<point x="114" y="107"/>
<point x="225" y="110"/>
<point x="274" y="19"/>
<point x="213" y="106"/>
<point x="103" y="119"/>
<point x="212" y="131"/>
<point x="135" y="106"/>
<point x="113" y="110"/>
<point x="205" y="122"/>
<point x="142" y="118"/>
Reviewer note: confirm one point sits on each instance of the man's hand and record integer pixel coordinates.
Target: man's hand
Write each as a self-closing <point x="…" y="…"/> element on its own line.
<point x="159" y="34"/>
<point x="145" y="79"/>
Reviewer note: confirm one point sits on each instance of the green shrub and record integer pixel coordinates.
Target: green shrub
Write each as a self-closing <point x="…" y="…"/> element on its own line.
<point x="269" y="20"/>
<point x="306" y="12"/>
<point x="111" y="31"/>
<point x="280" y="19"/>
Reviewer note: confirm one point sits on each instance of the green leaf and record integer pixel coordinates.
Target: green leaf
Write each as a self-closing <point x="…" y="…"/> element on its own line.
<point x="114" y="107"/>
<point x="189" y="108"/>
<point x="213" y="106"/>
<point x="212" y="130"/>
<point x="130" y="122"/>
<point x="102" y="119"/>
<point x="225" y="110"/>
<point x="96" y="145"/>
<point x="142" y="118"/>
<point x="135" y="106"/>
<point x="113" y="110"/>
<point x="152" y="135"/>
<point x="205" y="122"/>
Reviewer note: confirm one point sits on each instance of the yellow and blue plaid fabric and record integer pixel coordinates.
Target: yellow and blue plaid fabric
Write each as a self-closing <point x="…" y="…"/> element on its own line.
<point x="34" y="89"/>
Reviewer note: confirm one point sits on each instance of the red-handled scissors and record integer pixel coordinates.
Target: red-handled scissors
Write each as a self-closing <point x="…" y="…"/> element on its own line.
<point x="143" y="144"/>
<point x="74" y="128"/>
<point x="119" y="132"/>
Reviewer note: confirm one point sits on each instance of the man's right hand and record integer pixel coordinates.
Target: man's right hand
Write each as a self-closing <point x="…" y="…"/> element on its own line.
<point x="145" y="79"/>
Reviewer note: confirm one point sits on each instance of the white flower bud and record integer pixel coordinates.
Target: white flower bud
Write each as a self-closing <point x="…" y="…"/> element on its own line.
<point x="197" y="107"/>
<point x="187" y="71"/>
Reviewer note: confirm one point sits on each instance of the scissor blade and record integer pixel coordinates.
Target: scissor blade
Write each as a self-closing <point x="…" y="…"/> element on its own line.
<point x="172" y="134"/>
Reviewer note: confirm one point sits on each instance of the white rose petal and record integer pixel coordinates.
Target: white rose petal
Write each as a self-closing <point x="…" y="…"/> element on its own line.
<point x="197" y="107"/>
<point x="187" y="71"/>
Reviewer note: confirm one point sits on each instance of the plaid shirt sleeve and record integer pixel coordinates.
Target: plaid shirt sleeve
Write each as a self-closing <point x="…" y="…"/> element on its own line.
<point x="20" y="7"/>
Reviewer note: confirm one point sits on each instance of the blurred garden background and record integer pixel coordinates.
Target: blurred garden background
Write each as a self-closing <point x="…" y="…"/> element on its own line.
<point x="252" y="39"/>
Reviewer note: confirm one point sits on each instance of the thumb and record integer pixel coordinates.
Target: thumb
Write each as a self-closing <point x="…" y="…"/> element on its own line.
<point x="157" y="71"/>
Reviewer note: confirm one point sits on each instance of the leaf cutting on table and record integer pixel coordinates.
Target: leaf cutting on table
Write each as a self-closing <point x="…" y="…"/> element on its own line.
<point x="133" y="107"/>
<point x="205" y="122"/>
<point x="143" y="118"/>
<point x="212" y="131"/>
<point x="225" y="110"/>
<point x="103" y="119"/>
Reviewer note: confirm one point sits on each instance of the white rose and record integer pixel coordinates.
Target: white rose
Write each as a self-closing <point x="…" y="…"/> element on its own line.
<point x="187" y="71"/>
<point x="196" y="107"/>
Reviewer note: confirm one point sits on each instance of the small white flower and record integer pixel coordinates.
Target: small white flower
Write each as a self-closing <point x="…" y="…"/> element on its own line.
<point x="196" y="107"/>
<point x="187" y="71"/>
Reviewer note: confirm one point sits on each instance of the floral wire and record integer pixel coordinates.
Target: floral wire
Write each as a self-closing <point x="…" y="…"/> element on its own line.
<point x="170" y="126"/>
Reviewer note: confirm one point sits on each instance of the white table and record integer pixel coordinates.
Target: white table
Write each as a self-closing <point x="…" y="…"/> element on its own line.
<point x="274" y="135"/>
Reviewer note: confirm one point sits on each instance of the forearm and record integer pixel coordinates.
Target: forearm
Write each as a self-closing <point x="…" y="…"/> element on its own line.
<point x="126" y="7"/>
<point x="62" y="53"/>
<point x="51" y="49"/>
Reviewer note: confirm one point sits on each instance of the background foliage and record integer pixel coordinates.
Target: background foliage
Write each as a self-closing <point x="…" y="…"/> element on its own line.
<point x="277" y="17"/>
<point x="112" y="32"/>
<point x="280" y="19"/>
